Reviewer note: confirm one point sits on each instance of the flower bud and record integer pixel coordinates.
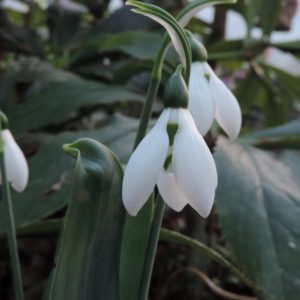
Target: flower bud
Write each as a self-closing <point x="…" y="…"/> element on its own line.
<point x="176" y="93"/>
<point x="15" y="162"/>
<point x="199" y="52"/>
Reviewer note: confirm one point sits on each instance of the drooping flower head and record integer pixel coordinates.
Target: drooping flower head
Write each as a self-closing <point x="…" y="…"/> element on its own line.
<point x="14" y="159"/>
<point x="210" y="98"/>
<point x="174" y="157"/>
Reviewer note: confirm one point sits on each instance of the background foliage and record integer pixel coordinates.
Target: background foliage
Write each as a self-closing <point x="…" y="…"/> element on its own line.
<point x="70" y="70"/>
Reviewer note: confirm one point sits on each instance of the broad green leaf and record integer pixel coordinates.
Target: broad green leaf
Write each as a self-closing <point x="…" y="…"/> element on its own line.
<point x="258" y="205"/>
<point x="87" y="262"/>
<point x="17" y="38"/>
<point x="121" y="20"/>
<point x="26" y="70"/>
<point x="49" y="181"/>
<point x="63" y="22"/>
<point x="138" y="44"/>
<point x="58" y="101"/>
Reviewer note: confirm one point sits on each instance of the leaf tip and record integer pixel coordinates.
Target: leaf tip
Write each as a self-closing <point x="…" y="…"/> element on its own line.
<point x="71" y="150"/>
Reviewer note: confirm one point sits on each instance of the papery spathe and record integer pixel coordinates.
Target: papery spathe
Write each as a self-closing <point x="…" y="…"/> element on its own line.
<point x="190" y="178"/>
<point x="15" y="162"/>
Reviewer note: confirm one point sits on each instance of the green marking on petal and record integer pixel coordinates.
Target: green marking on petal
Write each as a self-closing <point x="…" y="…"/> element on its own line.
<point x="207" y="76"/>
<point x="168" y="162"/>
<point x="171" y="130"/>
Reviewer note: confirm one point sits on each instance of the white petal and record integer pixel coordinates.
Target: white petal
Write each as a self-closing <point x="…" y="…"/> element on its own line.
<point x="145" y="165"/>
<point x="228" y="112"/>
<point x="201" y="103"/>
<point x="172" y="33"/>
<point x="170" y="192"/>
<point x="15" y="162"/>
<point x="193" y="165"/>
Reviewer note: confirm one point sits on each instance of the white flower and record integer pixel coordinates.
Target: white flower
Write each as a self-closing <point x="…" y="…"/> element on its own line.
<point x="15" y="162"/>
<point x="210" y="98"/>
<point x="191" y="176"/>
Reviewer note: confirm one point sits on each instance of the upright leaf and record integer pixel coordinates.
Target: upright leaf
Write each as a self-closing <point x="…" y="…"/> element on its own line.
<point x="87" y="264"/>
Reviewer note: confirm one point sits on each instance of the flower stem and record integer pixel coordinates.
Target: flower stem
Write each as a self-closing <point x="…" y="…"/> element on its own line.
<point x="11" y="230"/>
<point x="151" y="250"/>
<point x="172" y="236"/>
<point x="152" y="91"/>
<point x="160" y="206"/>
<point x="159" y="209"/>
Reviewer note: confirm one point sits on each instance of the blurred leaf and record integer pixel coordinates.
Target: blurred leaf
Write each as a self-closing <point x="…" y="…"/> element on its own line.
<point x="63" y="21"/>
<point x="292" y="47"/>
<point x="250" y="91"/>
<point x="283" y="136"/>
<point x="235" y="49"/>
<point x="287" y="82"/>
<point x="262" y="13"/>
<point x="173" y="236"/>
<point x="18" y="39"/>
<point x="124" y="20"/>
<point x="58" y="101"/>
<point x="277" y="101"/>
<point x="93" y="226"/>
<point x="226" y="46"/>
<point x="138" y="44"/>
<point x="125" y="70"/>
<point x="269" y="11"/>
<point x="26" y="70"/>
<point x="48" y="187"/>
<point x="258" y="205"/>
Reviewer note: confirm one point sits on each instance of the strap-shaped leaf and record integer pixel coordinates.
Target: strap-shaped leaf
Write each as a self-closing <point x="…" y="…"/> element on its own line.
<point x="174" y="30"/>
<point x="193" y="8"/>
<point x="87" y="262"/>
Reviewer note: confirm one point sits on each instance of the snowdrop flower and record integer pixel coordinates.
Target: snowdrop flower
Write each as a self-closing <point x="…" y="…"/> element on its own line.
<point x="210" y="98"/>
<point x="174" y="157"/>
<point x="15" y="162"/>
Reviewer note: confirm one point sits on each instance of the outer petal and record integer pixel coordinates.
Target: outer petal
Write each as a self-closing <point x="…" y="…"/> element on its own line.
<point x="15" y="162"/>
<point x="193" y="165"/>
<point x="228" y="112"/>
<point x="145" y="165"/>
<point x="170" y="192"/>
<point x="201" y="103"/>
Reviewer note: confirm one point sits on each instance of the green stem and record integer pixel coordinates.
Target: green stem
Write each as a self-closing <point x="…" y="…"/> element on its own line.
<point x="159" y="209"/>
<point x="11" y="230"/>
<point x="152" y="91"/>
<point x="144" y="121"/>
<point x="172" y="236"/>
<point x="151" y="250"/>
